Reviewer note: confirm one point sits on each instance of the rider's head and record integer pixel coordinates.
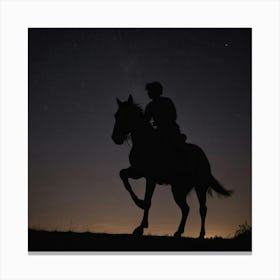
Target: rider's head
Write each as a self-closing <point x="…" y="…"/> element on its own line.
<point x="154" y="89"/>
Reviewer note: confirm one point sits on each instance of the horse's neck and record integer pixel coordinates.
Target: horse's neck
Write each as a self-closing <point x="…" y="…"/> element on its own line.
<point x="141" y="134"/>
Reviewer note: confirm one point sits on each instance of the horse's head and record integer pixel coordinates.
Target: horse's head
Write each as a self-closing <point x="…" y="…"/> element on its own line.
<point x="125" y="119"/>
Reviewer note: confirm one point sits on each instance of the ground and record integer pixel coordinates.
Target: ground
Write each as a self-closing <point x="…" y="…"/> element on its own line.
<point x="43" y="241"/>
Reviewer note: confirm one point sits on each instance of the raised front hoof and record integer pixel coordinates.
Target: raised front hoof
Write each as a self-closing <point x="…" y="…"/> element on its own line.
<point x="140" y="203"/>
<point x="177" y="234"/>
<point x="138" y="231"/>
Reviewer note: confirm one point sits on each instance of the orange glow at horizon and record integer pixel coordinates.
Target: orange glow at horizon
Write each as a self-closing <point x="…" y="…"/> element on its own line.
<point x="164" y="215"/>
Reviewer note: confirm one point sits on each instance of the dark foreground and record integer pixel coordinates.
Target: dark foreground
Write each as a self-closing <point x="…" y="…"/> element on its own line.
<point x="44" y="241"/>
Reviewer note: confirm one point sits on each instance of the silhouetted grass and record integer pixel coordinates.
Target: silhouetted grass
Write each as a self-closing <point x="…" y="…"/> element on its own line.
<point x="39" y="240"/>
<point x="244" y="232"/>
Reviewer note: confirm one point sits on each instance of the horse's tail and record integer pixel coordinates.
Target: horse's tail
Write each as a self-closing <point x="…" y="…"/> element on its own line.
<point x="217" y="187"/>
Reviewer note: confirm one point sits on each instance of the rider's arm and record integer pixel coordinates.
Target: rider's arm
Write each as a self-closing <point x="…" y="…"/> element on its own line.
<point x="148" y="113"/>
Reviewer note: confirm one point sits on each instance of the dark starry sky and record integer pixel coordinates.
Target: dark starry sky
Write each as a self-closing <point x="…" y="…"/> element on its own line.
<point x="74" y="77"/>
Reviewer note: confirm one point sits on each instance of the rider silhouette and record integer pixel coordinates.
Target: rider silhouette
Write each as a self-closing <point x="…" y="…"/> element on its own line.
<point x="161" y="112"/>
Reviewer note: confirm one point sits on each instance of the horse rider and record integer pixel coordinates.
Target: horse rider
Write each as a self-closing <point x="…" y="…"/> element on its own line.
<point x="161" y="113"/>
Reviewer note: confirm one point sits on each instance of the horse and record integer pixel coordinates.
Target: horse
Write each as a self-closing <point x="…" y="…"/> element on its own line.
<point x="183" y="168"/>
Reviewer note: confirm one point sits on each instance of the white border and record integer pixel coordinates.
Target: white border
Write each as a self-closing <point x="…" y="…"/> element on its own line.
<point x="17" y="16"/>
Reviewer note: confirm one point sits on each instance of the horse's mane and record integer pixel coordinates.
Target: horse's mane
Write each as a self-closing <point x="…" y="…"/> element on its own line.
<point x="140" y="112"/>
<point x="138" y="109"/>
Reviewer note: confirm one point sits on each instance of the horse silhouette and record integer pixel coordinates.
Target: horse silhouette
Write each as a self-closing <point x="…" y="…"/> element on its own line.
<point x="151" y="158"/>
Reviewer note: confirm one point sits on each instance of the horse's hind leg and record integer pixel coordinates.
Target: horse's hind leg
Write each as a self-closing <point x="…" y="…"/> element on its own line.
<point x="180" y="194"/>
<point x="201" y="194"/>
<point x="150" y="187"/>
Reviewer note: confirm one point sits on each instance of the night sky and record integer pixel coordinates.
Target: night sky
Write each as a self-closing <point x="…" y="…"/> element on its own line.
<point x="74" y="77"/>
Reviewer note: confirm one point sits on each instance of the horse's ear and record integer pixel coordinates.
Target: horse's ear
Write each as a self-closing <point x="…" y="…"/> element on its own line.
<point x="130" y="99"/>
<point x="119" y="102"/>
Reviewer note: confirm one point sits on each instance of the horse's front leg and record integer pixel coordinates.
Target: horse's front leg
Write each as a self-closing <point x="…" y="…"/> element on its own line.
<point x="150" y="187"/>
<point x="125" y="174"/>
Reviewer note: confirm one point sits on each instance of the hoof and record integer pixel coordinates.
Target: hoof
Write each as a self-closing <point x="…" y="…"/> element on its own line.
<point x="177" y="234"/>
<point x="140" y="203"/>
<point x="201" y="234"/>
<point x="138" y="231"/>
